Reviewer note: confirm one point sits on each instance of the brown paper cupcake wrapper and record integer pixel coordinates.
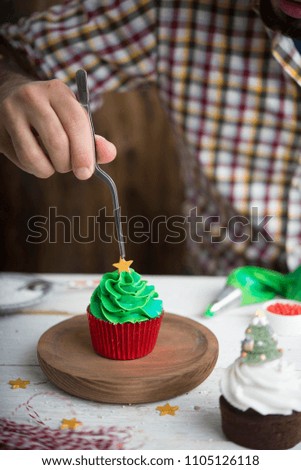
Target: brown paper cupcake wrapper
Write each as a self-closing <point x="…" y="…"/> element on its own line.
<point x="123" y="341"/>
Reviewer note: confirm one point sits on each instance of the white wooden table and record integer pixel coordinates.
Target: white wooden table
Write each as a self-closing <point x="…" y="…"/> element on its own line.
<point x="196" y="425"/>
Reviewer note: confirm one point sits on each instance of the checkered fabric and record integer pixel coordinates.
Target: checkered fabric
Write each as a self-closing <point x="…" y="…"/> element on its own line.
<point x="230" y="87"/>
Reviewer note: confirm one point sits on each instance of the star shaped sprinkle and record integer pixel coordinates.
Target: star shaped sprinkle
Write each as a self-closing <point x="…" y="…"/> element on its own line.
<point x="123" y="265"/>
<point x="19" y="383"/>
<point x="70" y="423"/>
<point x="167" y="410"/>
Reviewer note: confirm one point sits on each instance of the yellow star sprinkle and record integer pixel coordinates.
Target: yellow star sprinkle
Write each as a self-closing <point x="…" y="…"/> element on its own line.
<point x="19" y="383"/>
<point x="70" y="423"/>
<point x="123" y="265"/>
<point x="167" y="410"/>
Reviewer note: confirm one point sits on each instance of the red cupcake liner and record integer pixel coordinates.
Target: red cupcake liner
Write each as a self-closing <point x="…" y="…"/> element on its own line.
<point x="123" y="341"/>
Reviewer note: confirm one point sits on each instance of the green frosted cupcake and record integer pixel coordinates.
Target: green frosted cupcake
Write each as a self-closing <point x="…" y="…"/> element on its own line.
<point x="124" y="314"/>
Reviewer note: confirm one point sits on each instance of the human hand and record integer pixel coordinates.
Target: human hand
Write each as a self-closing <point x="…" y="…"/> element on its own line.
<point x="44" y="129"/>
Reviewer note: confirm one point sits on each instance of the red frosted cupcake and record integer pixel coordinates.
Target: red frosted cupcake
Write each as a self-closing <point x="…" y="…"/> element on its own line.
<point x="124" y="315"/>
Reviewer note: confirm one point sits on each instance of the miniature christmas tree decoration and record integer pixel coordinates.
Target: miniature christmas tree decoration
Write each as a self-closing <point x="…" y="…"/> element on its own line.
<point x="260" y="343"/>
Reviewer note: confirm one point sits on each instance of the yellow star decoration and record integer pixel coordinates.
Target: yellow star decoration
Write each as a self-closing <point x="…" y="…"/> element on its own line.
<point x="167" y="410"/>
<point x="19" y="383"/>
<point x="123" y="265"/>
<point x="70" y="423"/>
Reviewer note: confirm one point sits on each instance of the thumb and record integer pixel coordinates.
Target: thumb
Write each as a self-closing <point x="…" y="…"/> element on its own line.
<point x="105" y="150"/>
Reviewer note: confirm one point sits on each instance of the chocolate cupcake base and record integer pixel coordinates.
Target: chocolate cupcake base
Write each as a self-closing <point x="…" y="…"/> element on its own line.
<point x="255" y="431"/>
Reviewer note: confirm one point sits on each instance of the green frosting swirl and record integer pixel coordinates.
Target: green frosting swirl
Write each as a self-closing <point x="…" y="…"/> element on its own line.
<point x="125" y="297"/>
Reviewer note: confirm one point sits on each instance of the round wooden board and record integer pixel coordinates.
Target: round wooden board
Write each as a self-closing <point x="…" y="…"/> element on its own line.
<point x="184" y="356"/>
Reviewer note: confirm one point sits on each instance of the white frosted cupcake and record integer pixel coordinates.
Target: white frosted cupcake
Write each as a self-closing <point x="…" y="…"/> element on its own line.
<point x="261" y="393"/>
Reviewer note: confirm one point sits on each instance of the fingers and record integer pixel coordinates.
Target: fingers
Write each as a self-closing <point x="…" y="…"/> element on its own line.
<point x="8" y="150"/>
<point x="75" y="122"/>
<point x="30" y="155"/>
<point x="76" y="126"/>
<point x="24" y="150"/>
<point x="17" y="139"/>
<point x="47" y="130"/>
<point x="105" y="150"/>
<point x="52" y="138"/>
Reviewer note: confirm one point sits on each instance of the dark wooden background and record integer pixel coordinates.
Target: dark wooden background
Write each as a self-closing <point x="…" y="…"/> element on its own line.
<point x="146" y="172"/>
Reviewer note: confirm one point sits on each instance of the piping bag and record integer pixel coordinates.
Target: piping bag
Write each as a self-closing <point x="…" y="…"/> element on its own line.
<point x="252" y="284"/>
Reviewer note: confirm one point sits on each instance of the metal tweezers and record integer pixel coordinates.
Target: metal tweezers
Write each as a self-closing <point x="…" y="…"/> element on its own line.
<point x="83" y="98"/>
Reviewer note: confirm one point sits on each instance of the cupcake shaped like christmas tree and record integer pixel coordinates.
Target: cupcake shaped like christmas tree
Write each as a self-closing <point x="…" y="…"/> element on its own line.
<point x="261" y="393"/>
<point x="124" y="314"/>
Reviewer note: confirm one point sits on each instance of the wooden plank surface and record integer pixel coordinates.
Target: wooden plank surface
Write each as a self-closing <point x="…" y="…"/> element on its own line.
<point x="196" y="425"/>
